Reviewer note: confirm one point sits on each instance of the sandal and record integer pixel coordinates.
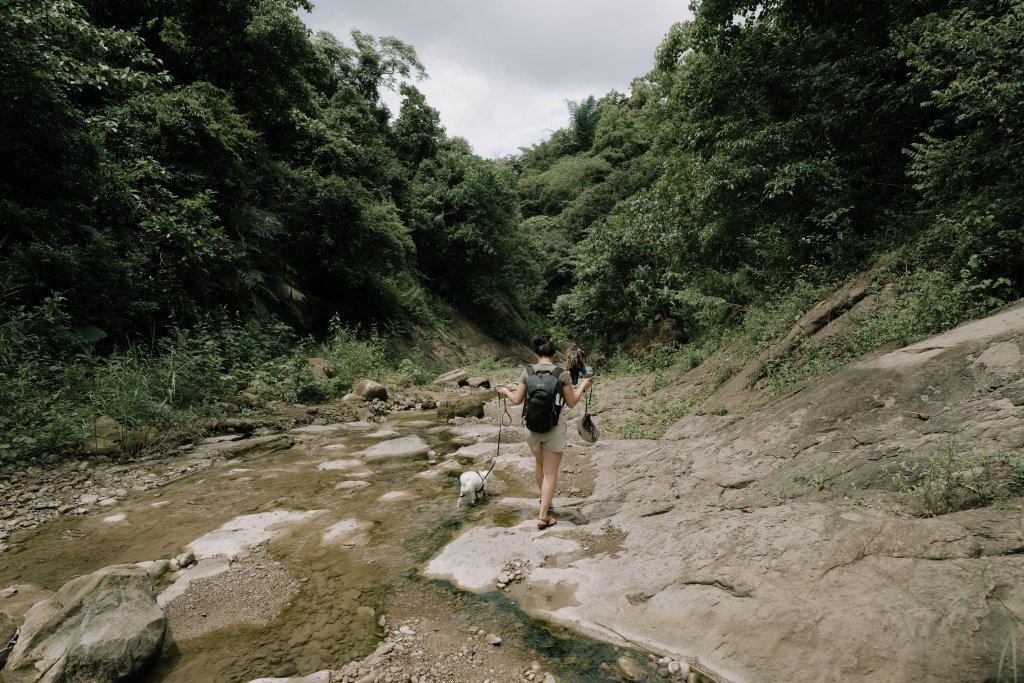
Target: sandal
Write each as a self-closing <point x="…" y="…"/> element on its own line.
<point x="545" y="522"/>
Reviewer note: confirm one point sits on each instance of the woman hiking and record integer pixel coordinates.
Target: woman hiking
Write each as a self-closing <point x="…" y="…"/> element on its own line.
<point x="546" y="388"/>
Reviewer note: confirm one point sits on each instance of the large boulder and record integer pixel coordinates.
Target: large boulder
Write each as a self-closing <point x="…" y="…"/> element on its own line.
<point x="321" y="367"/>
<point x="371" y="390"/>
<point x="455" y="376"/>
<point x="8" y="633"/>
<point x="460" y="406"/>
<point x="106" y="428"/>
<point x="104" y="626"/>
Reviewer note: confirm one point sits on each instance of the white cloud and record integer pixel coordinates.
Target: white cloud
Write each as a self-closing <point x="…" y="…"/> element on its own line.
<point x="500" y="71"/>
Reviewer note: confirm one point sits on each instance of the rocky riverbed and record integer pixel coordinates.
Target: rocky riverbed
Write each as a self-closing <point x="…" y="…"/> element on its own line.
<point x="792" y="541"/>
<point x="275" y="553"/>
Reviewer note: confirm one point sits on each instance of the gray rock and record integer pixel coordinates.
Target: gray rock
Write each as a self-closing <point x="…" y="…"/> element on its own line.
<point x="371" y="390"/>
<point x="106" y="428"/>
<point x="629" y="668"/>
<point x="455" y="376"/>
<point x="460" y="406"/>
<point x="8" y="630"/>
<point x="105" y="626"/>
<point x="321" y="367"/>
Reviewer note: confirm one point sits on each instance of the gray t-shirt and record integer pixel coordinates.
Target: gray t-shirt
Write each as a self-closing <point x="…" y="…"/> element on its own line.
<point x="563" y="377"/>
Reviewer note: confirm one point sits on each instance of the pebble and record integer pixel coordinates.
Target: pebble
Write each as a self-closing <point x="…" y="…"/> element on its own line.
<point x="493" y="639"/>
<point x="629" y="668"/>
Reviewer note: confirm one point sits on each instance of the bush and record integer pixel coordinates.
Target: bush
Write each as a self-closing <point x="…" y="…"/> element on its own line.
<point x="922" y="303"/>
<point x="949" y="481"/>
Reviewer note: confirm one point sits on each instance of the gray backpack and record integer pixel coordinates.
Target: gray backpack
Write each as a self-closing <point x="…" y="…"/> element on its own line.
<point x="541" y="409"/>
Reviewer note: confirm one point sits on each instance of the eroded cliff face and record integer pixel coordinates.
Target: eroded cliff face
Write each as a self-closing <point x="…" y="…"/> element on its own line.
<point x="794" y="542"/>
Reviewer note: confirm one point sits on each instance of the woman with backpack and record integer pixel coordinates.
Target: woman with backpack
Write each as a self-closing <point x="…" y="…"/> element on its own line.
<point x="545" y="388"/>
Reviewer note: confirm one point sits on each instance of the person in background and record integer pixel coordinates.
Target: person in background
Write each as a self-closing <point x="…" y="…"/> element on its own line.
<point x="575" y="361"/>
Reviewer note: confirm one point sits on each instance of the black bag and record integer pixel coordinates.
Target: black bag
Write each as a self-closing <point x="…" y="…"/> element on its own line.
<point x="542" y="407"/>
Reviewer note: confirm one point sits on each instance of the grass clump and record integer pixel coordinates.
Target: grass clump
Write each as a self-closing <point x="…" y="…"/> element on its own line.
<point x="656" y="416"/>
<point x="55" y="382"/>
<point x="949" y="481"/>
<point x="914" y="307"/>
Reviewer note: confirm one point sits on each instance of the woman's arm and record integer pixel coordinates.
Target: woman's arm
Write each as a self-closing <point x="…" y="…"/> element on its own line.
<point x="573" y="396"/>
<point x="517" y="396"/>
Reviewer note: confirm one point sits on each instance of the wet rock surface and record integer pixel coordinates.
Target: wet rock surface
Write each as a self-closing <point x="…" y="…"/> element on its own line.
<point x="105" y="626"/>
<point x="773" y="545"/>
<point x="767" y="545"/>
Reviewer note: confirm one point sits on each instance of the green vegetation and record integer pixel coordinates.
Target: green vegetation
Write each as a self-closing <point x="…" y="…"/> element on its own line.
<point x="198" y="195"/>
<point x="949" y="480"/>
<point x="655" y="416"/>
<point x="53" y="385"/>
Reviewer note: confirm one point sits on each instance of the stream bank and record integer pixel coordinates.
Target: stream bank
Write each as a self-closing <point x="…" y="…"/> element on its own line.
<point x="307" y="543"/>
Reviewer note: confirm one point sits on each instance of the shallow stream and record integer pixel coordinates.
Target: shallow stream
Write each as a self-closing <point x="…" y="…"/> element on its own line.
<point x="374" y="518"/>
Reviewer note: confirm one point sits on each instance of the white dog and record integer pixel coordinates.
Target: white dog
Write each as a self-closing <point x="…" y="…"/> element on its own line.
<point x="472" y="483"/>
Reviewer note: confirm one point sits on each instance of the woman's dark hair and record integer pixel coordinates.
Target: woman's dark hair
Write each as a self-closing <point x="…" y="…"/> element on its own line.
<point x="542" y="346"/>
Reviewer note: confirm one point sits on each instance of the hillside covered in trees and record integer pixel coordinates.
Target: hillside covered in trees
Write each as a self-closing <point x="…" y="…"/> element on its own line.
<point x="189" y="189"/>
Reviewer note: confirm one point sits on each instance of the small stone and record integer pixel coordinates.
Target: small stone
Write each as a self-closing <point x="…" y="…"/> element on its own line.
<point x="504" y="578"/>
<point x="549" y="678"/>
<point x="107" y="502"/>
<point x="405" y="630"/>
<point x="493" y="639"/>
<point x="383" y="621"/>
<point x="629" y="668"/>
<point x="186" y="558"/>
<point x="88" y="499"/>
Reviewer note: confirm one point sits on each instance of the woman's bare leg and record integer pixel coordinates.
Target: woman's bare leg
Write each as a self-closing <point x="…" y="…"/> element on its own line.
<point x="538" y="468"/>
<point x="551" y="462"/>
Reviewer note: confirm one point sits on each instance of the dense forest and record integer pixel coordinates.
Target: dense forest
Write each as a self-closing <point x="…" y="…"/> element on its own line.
<point x="190" y="189"/>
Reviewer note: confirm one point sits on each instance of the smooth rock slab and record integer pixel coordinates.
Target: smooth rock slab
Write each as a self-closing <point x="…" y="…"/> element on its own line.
<point x="347" y="532"/>
<point x="475" y="450"/>
<point x="475" y="431"/>
<point x="105" y="626"/>
<point x="339" y="465"/>
<point x="200" y="570"/>
<point x="319" y="677"/>
<point x="351" y="485"/>
<point x="395" y="496"/>
<point x="435" y="472"/>
<point x="317" y="429"/>
<point x="235" y="538"/>
<point x="405" y="447"/>
<point x="473" y="560"/>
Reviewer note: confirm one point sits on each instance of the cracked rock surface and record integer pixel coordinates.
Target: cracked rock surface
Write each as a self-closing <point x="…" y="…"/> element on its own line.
<point x="774" y="546"/>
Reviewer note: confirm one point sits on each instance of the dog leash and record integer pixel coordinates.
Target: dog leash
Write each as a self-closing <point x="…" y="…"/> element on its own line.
<point x="501" y="422"/>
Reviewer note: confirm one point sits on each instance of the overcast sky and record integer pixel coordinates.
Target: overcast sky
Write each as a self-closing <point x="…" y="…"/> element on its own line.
<point x="500" y="71"/>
